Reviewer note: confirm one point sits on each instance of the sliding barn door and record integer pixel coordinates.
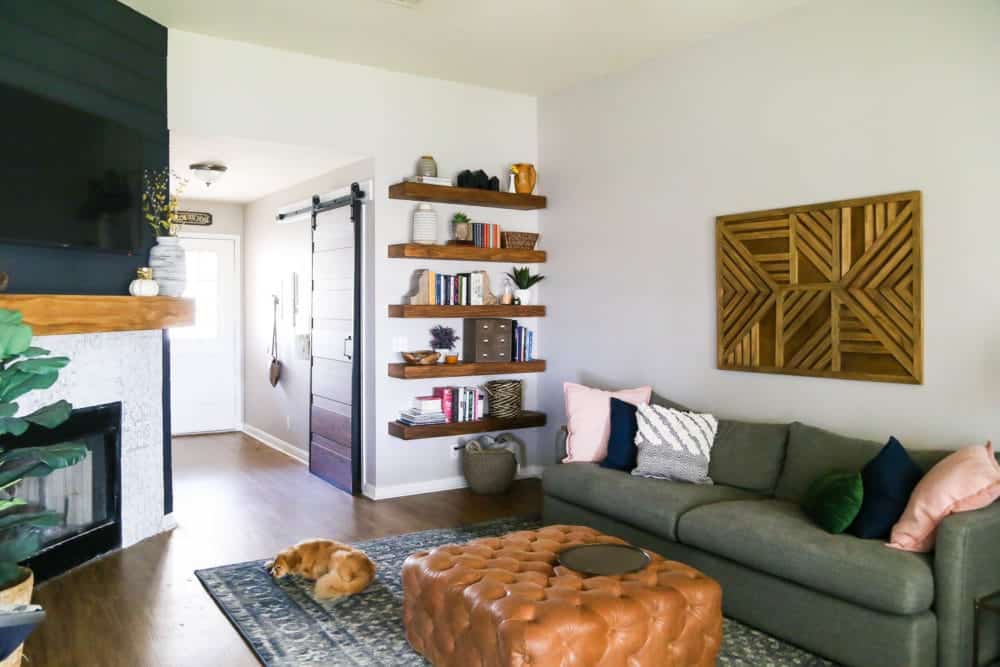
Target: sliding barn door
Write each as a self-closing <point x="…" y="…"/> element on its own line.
<point x="334" y="447"/>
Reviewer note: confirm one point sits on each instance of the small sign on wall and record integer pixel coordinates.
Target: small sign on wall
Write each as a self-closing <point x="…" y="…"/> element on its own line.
<point x="194" y="218"/>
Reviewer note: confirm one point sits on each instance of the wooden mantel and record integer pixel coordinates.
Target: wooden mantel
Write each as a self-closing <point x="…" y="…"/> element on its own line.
<point x="51" y="314"/>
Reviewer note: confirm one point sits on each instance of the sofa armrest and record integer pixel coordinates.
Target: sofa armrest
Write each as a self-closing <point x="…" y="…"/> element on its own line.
<point x="966" y="567"/>
<point x="561" y="443"/>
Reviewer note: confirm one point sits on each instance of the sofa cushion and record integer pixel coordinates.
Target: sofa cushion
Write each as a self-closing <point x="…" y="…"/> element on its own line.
<point x="748" y="455"/>
<point x="813" y="452"/>
<point x="889" y="479"/>
<point x="622" y="451"/>
<point x="775" y="537"/>
<point x="654" y="505"/>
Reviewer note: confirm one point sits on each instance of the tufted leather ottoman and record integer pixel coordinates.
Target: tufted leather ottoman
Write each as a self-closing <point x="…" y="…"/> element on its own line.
<point x="502" y="601"/>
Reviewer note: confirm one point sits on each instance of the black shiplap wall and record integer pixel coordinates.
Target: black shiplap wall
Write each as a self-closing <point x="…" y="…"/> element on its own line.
<point x="101" y="56"/>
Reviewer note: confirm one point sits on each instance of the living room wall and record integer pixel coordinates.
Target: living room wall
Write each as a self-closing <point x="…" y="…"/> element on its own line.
<point x="830" y="101"/>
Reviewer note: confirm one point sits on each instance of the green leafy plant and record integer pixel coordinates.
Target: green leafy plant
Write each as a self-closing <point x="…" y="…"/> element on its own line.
<point x="459" y="218"/>
<point x="23" y="369"/>
<point x="523" y="279"/>
<point x="159" y="206"/>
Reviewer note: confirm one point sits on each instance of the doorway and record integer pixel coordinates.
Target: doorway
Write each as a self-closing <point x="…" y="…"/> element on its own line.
<point x="205" y="369"/>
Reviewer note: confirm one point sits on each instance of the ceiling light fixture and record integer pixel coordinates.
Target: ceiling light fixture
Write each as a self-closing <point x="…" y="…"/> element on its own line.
<point x="208" y="172"/>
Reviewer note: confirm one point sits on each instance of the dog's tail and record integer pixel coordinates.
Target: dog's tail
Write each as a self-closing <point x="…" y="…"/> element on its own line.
<point x="356" y="571"/>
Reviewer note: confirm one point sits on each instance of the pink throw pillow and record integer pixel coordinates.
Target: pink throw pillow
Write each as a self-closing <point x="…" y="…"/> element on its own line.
<point x="588" y="419"/>
<point x="967" y="480"/>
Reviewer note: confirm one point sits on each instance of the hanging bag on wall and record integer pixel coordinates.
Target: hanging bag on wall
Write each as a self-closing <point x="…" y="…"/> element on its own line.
<point x="274" y="372"/>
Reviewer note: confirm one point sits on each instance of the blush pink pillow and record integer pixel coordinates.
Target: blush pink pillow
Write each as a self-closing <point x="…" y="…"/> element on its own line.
<point x="967" y="480"/>
<point x="588" y="419"/>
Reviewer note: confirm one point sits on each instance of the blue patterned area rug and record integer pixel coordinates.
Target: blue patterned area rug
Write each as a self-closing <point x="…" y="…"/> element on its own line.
<point x="286" y="627"/>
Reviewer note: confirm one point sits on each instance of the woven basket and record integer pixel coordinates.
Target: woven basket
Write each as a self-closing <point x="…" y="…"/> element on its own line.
<point x="505" y="398"/>
<point x="520" y="240"/>
<point x="489" y="465"/>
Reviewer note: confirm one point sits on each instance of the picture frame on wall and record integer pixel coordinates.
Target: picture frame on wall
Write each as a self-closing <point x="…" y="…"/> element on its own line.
<point x="196" y="218"/>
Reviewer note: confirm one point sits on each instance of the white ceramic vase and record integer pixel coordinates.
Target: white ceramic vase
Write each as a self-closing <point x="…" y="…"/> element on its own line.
<point x="425" y="224"/>
<point x="143" y="285"/>
<point x="524" y="296"/>
<point x="167" y="260"/>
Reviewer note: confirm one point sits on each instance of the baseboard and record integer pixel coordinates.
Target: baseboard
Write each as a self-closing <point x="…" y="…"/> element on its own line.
<point x="384" y="492"/>
<point x="277" y="444"/>
<point x="169" y="522"/>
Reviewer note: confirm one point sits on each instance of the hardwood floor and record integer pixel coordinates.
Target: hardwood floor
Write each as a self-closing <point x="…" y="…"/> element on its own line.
<point x="235" y="500"/>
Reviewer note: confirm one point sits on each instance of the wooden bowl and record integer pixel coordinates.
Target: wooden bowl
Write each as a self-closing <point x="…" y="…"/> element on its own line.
<point x="421" y="357"/>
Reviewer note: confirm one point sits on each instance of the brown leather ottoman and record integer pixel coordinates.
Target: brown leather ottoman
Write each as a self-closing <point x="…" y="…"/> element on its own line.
<point x="502" y="601"/>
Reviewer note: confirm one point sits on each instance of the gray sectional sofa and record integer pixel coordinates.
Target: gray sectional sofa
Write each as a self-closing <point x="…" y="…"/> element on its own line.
<point x="854" y="601"/>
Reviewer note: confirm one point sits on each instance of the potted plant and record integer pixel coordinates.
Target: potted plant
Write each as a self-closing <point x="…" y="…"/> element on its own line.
<point x="24" y="369"/>
<point x="443" y="341"/>
<point x="461" y="229"/>
<point x="159" y="207"/>
<point x="524" y="281"/>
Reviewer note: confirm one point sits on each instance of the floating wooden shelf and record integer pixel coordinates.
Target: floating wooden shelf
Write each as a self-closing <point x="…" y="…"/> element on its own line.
<point x="51" y="314"/>
<point x="444" y="194"/>
<point x="526" y="420"/>
<point x="499" y="310"/>
<point x="415" y="372"/>
<point x="465" y="252"/>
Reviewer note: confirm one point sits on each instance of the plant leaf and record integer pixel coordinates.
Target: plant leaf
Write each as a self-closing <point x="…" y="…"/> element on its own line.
<point x="13" y="425"/>
<point x="35" y="352"/>
<point x="10" y="317"/>
<point x="14" y="383"/>
<point x="40" y="365"/>
<point x="19" y="548"/>
<point x="8" y="409"/>
<point x="35" y="519"/>
<point x="38" y="461"/>
<point x="13" y="502"/>
<point x="14" y="338"/>
<point x="51" y="415"/>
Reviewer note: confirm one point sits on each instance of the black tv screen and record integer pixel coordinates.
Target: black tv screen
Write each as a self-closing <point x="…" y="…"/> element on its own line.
<point x="68" y="178"/>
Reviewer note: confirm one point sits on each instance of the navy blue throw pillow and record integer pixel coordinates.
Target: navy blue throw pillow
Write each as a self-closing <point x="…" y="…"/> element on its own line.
<point x="622" y="451"/>
<point x="888" y="481"/>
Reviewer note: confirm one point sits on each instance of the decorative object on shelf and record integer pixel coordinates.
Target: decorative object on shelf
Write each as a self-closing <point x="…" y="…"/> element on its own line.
<point x="512" y="183"/>
<point x="451" y="359"/>
<point x="25" y="369"/>
<point x="421" y="357"/>
<point x="505" y="398"/>
<point x="168" y="262"/>
<point x="490" y="465"/>
<point x="143" y="285"/>
<point x="829" y="290"/>
<point x="508" y="293"/>
<point x="429" y="288"/>
<point x="524" y="183"/>
<point x="487" y="339"/>
<point x="196" y="218"/>
<point x="524" y="281"/>
<point x="426" y="166"/>
<point x="425" y="222"/>
<point x="159" y="207"/>
<point x="4" y="281"/>
<point x="442" y="339"/>
<point x="520" y="240"/>
<point x="274" y="368"/>
<point x="208" y="172"/>
<point x="461" y="229"/>
<point x="430" y="180"/>
<point x="494" y="184"/>
<point x="477" y="180"/>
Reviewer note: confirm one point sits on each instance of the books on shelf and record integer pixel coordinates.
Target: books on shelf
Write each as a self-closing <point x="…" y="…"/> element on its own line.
<point x="523" y="344"/>
<point x="430" y="180"/>
<point x="461" y="404"/>
<point x="485" y="235"/>
<point x="414" y="417"/>
<point x="460" y="289"/>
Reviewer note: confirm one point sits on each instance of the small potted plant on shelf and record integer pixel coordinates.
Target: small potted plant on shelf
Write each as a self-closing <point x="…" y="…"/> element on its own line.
<point x="524" y="281"/>
<point x="443" y="342"/>
<point x="159" y="207"/>
<point x="462" y="229"/>
<point x="24" y="369"/>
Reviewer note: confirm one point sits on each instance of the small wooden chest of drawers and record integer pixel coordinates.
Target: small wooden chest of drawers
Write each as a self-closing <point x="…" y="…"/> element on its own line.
<point x="487" y="339"/>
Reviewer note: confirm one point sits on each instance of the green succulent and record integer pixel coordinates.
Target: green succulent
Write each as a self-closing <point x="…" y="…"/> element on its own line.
<point x="459" y="218"/>
<point x="23" y="369"/>
<point x="523" y="279"/>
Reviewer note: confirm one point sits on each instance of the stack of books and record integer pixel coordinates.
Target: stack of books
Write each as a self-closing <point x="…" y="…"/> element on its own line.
<point x="462" y="289"/>
<point x="461" y="404"/>
<point x="426" y="410"/>
<point x="524" y="344"/>
<point x="486" y="235"/>
<point x="429" y="180"/>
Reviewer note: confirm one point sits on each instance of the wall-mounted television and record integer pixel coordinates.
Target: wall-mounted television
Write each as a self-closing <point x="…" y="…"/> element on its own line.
<point x="68" y="178"/>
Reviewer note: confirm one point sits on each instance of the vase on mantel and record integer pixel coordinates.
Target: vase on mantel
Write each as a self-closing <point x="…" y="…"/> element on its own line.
<point x="167" y="259"/>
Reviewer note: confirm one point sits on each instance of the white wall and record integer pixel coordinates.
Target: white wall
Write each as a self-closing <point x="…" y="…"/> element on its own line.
<point x="291" y="98"/>
<point x="227" y="217"/>
<point x="831" y="101"/>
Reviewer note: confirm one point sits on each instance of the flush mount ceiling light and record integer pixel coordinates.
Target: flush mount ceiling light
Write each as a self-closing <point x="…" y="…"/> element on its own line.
<point x="208" y="172"/>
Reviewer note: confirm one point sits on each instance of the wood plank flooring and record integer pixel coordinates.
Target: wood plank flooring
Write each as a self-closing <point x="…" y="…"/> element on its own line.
<point x="235" y="500"/>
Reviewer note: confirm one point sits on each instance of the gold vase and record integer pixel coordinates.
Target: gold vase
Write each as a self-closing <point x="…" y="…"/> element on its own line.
<point x="524" y="183"/>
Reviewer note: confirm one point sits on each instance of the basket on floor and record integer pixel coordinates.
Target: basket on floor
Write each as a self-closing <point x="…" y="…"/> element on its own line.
<point x="505" y="398"/>
<point x="489" y="465"/>
<point x="520" y="240"/>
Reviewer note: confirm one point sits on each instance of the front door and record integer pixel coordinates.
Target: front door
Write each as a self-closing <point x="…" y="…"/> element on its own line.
<point x="204" y="357"/>
<point x="333" y="450"/>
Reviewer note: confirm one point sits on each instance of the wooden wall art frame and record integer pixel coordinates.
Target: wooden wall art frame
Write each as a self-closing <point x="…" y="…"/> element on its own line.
<point x="828" y="290"/>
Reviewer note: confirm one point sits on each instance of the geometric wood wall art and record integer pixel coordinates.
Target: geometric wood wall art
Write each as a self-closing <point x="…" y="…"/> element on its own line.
<point x="828" y="290"/>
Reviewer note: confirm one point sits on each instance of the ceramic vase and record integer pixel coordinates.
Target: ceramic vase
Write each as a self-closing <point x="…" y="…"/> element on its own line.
<point x="525" y="178"/>
<point x="425" y="223"/>
<point x="143" y="285"/>
<point x="426" y="166"/>
<point x="167" y="260"/>
<point x="524" y="296"/>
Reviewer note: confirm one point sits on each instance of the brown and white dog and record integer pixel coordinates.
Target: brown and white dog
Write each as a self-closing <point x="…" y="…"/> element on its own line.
<point x="338" y="569"/>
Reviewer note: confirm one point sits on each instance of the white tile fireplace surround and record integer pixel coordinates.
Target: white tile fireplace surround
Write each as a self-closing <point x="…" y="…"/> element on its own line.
<point x="126" y="367"/>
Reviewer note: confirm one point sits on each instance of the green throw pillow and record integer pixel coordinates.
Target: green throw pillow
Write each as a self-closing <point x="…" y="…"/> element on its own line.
<point x="833" y="500"/>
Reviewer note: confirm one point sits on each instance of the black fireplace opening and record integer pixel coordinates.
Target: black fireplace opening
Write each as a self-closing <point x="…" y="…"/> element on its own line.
<point x="88" y="494"/>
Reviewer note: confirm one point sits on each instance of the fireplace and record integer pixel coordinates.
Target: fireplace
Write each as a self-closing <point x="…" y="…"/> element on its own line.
<point x="88" y="494"/>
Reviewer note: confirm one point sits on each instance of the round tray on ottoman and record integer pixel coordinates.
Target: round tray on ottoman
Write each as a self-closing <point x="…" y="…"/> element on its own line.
<point x="502" y="601"/>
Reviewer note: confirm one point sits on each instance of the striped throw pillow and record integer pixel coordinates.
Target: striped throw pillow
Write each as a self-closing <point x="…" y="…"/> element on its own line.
<point x="674" y="445"/>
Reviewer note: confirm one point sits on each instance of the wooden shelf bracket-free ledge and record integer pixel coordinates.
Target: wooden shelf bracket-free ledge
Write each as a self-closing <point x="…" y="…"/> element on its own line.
<point x="443" y="194"/>
<point x="499" y="310"/>
<point x="466" y="253"/>
<point x="53" y="314"/>
<point x="526" y="420"/>
<point x="464" y="369"/>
